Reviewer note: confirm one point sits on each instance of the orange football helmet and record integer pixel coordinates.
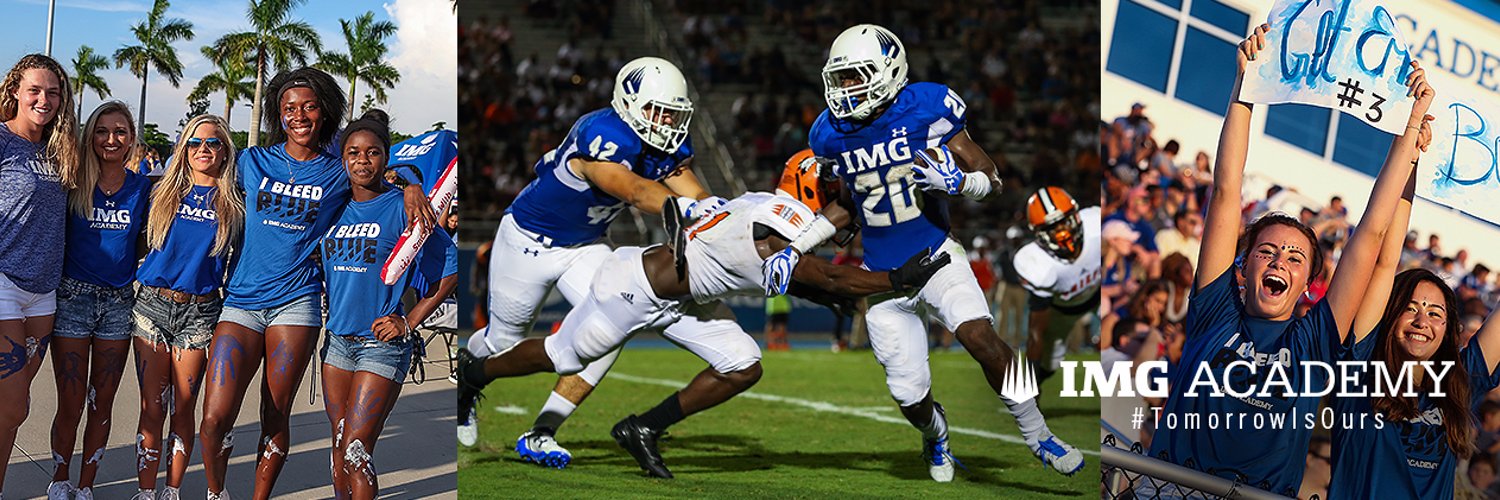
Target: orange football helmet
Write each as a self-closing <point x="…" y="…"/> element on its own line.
<point x="802" y="179"/>
<point x="1053" y="216"/>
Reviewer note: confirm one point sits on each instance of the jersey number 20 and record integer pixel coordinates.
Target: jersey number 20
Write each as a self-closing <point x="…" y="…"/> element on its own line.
<point x="897" y="187"/>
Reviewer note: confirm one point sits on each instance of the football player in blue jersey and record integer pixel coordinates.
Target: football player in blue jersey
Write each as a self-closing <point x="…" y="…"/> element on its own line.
<point x="635" y="153"/>
<point x="1243" y="303"/>
<point x="875" y="127"/>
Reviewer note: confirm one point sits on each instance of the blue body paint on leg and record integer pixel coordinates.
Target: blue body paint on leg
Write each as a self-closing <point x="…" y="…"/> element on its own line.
<point x="223" y="369"/>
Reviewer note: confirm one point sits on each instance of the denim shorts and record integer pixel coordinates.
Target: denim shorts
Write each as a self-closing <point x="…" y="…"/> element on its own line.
<point x="306" y="310"/>
<point x="159" y="320"/>
<point x="391" y="360"/>
<point x="87" y="310"/>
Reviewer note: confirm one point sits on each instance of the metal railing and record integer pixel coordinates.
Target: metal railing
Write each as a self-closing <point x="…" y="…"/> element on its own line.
<point x="1130" y="474"/>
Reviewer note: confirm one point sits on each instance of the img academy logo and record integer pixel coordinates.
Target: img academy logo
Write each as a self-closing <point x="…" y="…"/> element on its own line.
<point x="1019" y="384"/>
<point x="1345" y="379"/>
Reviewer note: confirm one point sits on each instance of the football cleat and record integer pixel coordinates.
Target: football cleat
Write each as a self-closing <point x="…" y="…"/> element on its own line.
<point x="1063" y="458"/>
<point x="468" y="399"/>
<point x="542" y="449"/>
<point x="640" y="441"/>
<point x="939" y="459"/>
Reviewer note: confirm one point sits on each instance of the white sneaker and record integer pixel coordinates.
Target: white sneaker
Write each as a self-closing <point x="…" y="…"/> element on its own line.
<point x="169" y="493"/>
<point x="141" y="494"/>
<point x="468" y="430"/>
<point x="61" y="490"/>
<point x="84" y="494"/>
<point x="1063" y="458"/>
<point x="542" y="449"/>
<point x="222" y="495"/>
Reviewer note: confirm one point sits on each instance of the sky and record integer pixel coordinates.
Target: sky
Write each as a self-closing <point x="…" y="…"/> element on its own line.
<point x="424" y="50"/>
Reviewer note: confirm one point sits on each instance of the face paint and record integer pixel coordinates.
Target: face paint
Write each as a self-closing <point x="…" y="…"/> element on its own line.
<point x="269" y="448"/>
<point x="223" y="370"/>
<point x="58" y="460"/>
<point x="14" y="360"/>
<point x="144" y="455"/>
<point x="357" y="460"/>
<point x="94" y="459"/>
<point x="71" y="373"/>
<point x="166" y="401"/>
<point x="226" y="447"/>
<point x="178" y="448"/>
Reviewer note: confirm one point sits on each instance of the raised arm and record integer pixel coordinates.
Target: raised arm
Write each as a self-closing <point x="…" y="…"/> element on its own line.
<point x="1489" y="340"/>
<point x="1346" y="291"/>
<point x="1384" y="276"/>
<point x="1221" y="228"/>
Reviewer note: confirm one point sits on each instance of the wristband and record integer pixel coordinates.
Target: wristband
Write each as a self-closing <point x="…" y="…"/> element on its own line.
<point x="976" y="185"/>
<point x="816" y="233"/>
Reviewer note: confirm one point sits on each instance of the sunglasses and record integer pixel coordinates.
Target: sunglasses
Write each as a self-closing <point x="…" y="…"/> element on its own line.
<point x="212" y="142"/>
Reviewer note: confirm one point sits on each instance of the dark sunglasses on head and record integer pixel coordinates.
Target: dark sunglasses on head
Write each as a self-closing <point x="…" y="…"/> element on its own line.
<point x="212" y="142"/>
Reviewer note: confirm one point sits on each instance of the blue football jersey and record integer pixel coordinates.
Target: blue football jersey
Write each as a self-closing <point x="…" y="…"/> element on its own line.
<point x="875" y="158"/>
<point x="561" y="205"/>
<point x="1400" y="459"/>
<point x="1263" y="439"/>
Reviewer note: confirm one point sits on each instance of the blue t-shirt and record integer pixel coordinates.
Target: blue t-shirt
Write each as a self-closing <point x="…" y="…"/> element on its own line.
<point x="561" y="205"/>
<point x="875" y="159"/>
<point x="1271" y="456"/>
<point x="32" y="204"/>
<point x="101" y="247"/>
<point x="1147" y="240"/>
<point x="289" y="204"/>
<point x="355" y="250"/>
<point x="185" y="262"/>
<point x="1408" y="459"/>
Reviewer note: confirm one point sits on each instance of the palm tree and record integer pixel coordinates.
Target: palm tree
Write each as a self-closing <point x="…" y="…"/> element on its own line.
<point x="366" y="39"/>
<point x="274" y="39"/>
<point x="86" y="66"/>
<point x="155" y="34"/>
<point x="231" y="78"/>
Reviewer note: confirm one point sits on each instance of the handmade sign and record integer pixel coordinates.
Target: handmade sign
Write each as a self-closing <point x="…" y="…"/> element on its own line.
<point x="1346" y="55"/>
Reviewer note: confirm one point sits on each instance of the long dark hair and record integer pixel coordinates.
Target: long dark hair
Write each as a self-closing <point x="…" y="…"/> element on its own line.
<point x="330" y="103"/>
<point x="1455" y="405"/>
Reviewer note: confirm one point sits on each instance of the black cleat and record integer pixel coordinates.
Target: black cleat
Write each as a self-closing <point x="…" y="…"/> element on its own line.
<point x="640" y="441"/>
<point x="468" y="390"/>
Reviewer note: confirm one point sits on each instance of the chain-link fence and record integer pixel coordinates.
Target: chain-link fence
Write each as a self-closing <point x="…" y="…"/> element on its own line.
<point x="1130" y="474"/>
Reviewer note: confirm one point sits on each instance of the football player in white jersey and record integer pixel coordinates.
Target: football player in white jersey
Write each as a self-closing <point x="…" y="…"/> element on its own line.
<point x="636" y="152"/>
<point x="656" y="288"/>
<point x="1060" y="270"/>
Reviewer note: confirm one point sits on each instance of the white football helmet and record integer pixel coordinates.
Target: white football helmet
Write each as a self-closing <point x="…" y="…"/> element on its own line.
<point x="874" y="60"/>
<point x="651" y="96"/>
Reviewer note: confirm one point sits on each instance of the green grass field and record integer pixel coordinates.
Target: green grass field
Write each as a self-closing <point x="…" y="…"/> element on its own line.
<point x="799" y="439"/>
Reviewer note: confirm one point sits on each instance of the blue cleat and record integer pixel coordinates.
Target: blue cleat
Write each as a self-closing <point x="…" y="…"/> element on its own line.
<point x="542" y="449"/>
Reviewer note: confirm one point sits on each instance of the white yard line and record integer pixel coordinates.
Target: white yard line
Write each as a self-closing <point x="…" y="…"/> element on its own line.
<point x="833" y="408"/>
<point x="511" y="410"/>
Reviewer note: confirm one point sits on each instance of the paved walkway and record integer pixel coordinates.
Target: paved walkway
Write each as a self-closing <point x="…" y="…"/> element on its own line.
<point x="416" y="456"/>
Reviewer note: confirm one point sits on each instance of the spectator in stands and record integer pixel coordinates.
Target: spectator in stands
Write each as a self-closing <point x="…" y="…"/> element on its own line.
<point x="1147" y="308"/>
<point x="1476" y="284"/>
<point x="1479" y="482"/>
<point x="1434" y="250"/>
<point x="1118" y="263"/>
<point x="1137" y="213"/>
<point x="1182" y="237"/>
<point x="1489" y="427"/>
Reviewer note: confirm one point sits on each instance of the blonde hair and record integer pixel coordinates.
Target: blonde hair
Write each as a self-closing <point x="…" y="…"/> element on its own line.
<point x="229" y="206"/>
<point x="81" y="198"/>
<point x="61" y="143"/>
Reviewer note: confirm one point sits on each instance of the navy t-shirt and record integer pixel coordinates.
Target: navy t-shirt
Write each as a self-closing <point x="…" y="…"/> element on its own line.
<point x="185" y="262"/>
<point x="1268" y="447"/>
<point x="1409" y="459"/>
<point x="289" y="205"/>
<point x="102" y="246"/>
<point x="355" y="250"/>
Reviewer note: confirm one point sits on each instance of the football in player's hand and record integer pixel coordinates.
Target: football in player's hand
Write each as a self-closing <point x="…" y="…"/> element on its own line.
<point x="942" y="155"/>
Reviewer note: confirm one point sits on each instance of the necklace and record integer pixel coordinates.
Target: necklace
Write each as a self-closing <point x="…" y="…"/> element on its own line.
<point x="289" y="173"/>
